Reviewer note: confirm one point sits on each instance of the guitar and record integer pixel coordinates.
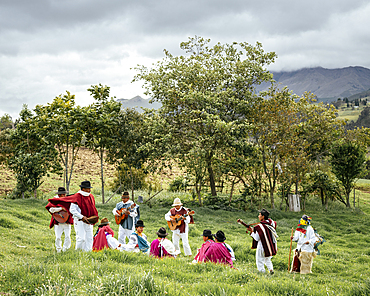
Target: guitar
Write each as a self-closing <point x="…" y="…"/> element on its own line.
<point x="240" y="221"/>
<point x="173" y="224"/>
<point x="61" y="216"/>
<point x="123" y="213"/>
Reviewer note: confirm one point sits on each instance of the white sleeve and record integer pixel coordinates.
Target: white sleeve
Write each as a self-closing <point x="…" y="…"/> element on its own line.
<point x="167" y="216"/>
<point x="187" y="220"/>
<point x="115" y="212"/>
<point x="75" y="211"/>
<point x="131" y="243"/>
<point x="255" y="235"/>
<point x="56" y="209"/>
<point x="296" y="236"/>
<point x="133" y="214"/>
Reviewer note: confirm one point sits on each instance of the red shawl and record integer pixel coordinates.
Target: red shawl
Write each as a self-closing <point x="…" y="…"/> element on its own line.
<point x="100" y="240"/>
<point x="85" y="203"/>
<point x="218" y="253"/>
<point x="203" y="249"/>
<point x="266" y="237"/>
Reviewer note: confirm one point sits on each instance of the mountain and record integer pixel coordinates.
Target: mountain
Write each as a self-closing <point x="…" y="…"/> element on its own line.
<point x="138" y="103"/>
<point x="326" y="84"/>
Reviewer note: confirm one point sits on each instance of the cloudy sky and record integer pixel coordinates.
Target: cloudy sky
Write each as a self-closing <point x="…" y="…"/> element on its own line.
<point x="50" y="46"/>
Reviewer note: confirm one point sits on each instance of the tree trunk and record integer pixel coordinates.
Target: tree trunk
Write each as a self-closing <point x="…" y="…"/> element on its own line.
<point x="66" y="183"/>
<point x="132" y="185"/>
<point x="354" y="198"/>
<point x="348" y="204"/>
<point x="198" y="187"/>
<point x="102" y="173"/>
<point x="211" y="176"/>
<point x="232" y="190"/>
<point x="322" y="196"/>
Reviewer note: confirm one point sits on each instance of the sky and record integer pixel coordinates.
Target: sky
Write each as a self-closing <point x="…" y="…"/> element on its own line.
<point x="48" y="47"/>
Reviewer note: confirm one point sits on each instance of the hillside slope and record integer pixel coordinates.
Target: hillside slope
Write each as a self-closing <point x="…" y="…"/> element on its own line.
<point x="326" y="84"/>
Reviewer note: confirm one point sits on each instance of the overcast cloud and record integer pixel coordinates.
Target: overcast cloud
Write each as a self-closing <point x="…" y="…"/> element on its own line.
<point x="50" y="46"/>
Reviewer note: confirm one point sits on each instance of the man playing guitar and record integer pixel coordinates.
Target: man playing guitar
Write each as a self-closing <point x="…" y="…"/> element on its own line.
<point x="128" y="214"/>
<point x="181" y="230"/>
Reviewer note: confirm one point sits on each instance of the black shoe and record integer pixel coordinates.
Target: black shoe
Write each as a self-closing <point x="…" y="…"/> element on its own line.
<point x="271" y="272"/>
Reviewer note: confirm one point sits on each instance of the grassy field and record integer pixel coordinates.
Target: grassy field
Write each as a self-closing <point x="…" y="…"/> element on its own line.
<point x="30" y="266"/>
<point x="349" y="113"/>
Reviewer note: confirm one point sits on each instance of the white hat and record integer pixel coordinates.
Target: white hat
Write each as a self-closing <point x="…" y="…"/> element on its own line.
<point x="177" y="202"/>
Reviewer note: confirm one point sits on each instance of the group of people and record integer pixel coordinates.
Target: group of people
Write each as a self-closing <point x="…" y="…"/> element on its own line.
<point x="79" y="209"/>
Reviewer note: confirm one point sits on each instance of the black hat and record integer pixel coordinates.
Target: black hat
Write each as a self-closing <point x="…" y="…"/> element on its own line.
<point x="162" y="232"/>
<point x="62" y="190"/>
<point x="207" y="232"/>
<point x="139" y="223"/>
<point x="85" y="184"/>
<point x="265" y="213"/>
<point x="220" y="236"/>
<point x="125" y="195"/>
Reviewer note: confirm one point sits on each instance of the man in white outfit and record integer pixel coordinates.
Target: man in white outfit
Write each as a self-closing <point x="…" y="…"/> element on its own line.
<point x="181" y="230"/>
<point x="61" y="228"/>
<point x="305" y="237"/>
<point x="81" y="209"/>
<point x="132" y="214"/>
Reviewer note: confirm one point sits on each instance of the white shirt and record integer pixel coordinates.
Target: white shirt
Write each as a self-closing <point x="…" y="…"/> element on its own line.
<point x="186" y="220"/>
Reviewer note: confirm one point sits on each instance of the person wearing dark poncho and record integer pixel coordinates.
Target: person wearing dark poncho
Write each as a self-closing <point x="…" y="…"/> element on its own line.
<point x="82" y="206"/>
<point x="264" y="240"/>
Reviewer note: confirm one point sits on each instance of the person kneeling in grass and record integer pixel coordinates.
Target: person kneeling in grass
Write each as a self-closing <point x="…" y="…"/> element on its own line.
<point x="163" y="247"/>
<point x="217" y="252"/>
<point x="104" y="237"/>
<point x="138" y="240"/>
<point x="208" y="240"/>
<point x="220" y="238"/>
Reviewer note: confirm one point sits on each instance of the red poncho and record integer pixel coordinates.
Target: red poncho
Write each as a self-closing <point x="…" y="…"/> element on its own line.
<point x="85" y="203"/>
<point x="100" y="240"/>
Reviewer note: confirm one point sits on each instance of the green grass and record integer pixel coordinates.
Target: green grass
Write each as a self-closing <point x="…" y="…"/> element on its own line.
<point x="29" y="264"/>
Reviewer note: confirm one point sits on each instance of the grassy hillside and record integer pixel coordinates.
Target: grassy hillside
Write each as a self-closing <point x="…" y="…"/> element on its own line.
<point x="30" y="266"/>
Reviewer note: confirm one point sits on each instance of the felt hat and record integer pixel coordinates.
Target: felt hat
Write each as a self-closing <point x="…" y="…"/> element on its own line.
<point x="85" y="184"/>
<point x="265" y="213"/>
<point x="162" y="232"/>
<point x="62" y="190"/>
<point x="177" y="202"/>
<point x="103" y="222"/>
<point x="207" y="232"/>
<point x="125" y="195"/>
<point x="139" y="223"/>
<point x="220" y="236"/>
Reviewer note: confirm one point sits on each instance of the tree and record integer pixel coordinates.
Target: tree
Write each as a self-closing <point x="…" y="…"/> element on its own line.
<point x="62" y="124"/>
<point x="348" y="164"/>
<point x="6" y="122"/>
<point x="31" y="157"/>
<point x="101" y="121"/>
<point x="205" y="95"/>
<point x="126" y="148"/>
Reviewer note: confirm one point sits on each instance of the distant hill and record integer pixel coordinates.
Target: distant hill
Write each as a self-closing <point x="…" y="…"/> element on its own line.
<point x="326" y="84"/>
<point x="138" y="103"/>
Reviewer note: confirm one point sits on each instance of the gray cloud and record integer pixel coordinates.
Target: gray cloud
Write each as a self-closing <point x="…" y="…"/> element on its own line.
<point x="48" y="47"/>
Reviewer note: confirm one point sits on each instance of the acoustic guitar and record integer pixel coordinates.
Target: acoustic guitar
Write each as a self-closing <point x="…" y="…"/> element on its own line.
<point x="123" y="213"/>
<point x="173" y="224"/>
<point x="61" y="216"/>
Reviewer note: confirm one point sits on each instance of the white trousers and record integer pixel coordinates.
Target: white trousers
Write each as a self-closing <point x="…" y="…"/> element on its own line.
<point x="261" y="260"/>
<point x="112" y="242"/>
<point x="123" y="233"/>
<point x="59" y="229"/>
<point x="84" y="235"/>
<point x="185" y="242"/>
